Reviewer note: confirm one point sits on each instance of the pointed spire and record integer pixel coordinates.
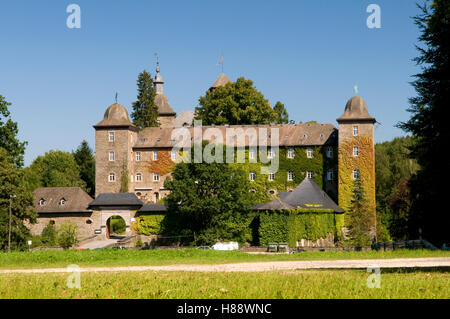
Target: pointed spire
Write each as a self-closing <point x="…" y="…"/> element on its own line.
<point x="159" y="83"/>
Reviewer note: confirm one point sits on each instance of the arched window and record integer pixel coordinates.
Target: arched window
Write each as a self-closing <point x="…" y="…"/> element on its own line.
<point x="62" y="201"/>
<point x="41" y="202"/>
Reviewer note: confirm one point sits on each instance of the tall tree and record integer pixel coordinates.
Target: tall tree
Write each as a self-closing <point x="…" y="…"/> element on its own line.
<point x="85" y="159"/>
<point x="54" y="169"/>
<point x="8" y="134"/>
<point x="211" y="199"/>
<point x="11" y="183"/>
<point x="145" y="111"/>
<point x="359" y="221"/>
<point x="429" y="123"/>
<point x="282" y="116"/>
<point x="235" y="103"/>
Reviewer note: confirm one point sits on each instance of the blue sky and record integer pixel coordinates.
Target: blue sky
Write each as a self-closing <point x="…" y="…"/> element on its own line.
<point x="306" y="54"/>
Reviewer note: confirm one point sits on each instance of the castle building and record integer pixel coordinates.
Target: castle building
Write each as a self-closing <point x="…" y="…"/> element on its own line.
<point x="332" y="157"/>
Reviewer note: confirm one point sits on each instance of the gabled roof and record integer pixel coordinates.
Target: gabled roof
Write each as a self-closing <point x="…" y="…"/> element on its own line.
<point x="76" y="200"/>
<point x="307" y="195"/>
<point x="116" y="199"/>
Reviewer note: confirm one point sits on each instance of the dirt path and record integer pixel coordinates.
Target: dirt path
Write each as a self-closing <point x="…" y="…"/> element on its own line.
<point x="265" y="266"/>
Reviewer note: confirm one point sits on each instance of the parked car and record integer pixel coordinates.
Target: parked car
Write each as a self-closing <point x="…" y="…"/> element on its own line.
<point x="204" y="247"/>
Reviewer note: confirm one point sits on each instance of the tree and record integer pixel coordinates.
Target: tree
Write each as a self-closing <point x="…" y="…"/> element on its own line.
<point x="85" y="159"/>
<point x="429" y="123"/>
<point x="54" y="169"/>
<point x="49" y="235"/>
<point x="145" y="111"/>
<point x="359" y="220"/>
<point x="210" y="199"/>
<point x="11" y="183"/>
<point x="8" y="134"/>
<point x="282" y="116"/>
<point x="393" y="166"/>
<point x="235" y="104"/>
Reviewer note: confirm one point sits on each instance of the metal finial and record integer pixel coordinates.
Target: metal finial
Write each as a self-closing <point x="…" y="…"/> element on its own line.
<point x="116" y="97"/>
<point x="356" y="89"/>
<point x="157" y="62"/>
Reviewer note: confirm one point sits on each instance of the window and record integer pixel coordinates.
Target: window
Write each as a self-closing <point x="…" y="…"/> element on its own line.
<point x="329" y="152"/>
<point x="138" y="156"/>
<point x="330" y="175"/>
<point x="290" y="176"/>
<point x="41" y="202"/>
<point x="111" y="156"/>
<point x="112" y="177"/>
<point x="111" y="136"/>
<point x="355" y="174"/>
<point x="290" y="153"/>
<point x="138" y="177"/>
<point x="310" y="174"/>
<point x="309" y="153"/>
<point x="355" y="151"/>
<point x="270" y="153"/>
<point x="62" y="201"/>
<point x="155" y="177"/>
<point x="251" y="154"/>
<point x="173" y="155"/>
<point x="355" y="130"/>
<point x="271" y="177"/>
<point x="155" y="155"/>
<point x="156" y="197"/>
<point x="252" y="176"/>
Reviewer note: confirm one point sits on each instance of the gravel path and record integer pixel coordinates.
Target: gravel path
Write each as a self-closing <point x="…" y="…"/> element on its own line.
<point x="265" y="266"/>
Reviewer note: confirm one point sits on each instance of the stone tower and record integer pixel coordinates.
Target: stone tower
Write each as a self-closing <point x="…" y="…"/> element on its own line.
<point x="166" y="115"/>
<point x="114" y="138"/>
<point x="356" y="154"/>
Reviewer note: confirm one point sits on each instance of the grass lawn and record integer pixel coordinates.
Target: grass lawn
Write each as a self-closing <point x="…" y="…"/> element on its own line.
<point x="115" y="257"/>
<point x="188" y="285"/>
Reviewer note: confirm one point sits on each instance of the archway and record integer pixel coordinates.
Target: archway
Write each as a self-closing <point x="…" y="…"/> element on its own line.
<point x="116" y="227"/>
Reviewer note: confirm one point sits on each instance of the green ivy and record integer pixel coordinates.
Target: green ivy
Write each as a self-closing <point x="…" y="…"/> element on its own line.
<point x="293" y="225"/>
<point x="148" y="224"/>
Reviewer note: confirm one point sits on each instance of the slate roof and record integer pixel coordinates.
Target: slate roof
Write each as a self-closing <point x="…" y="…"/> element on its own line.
<point x="116" y="199"/>
<point x="311" y="134"/>
<point x="153" y="208"/>
<point x="356" y="109"/>
<point x="76" y="200"/>
<point x="115" y="115"/>
<point x="184" y="118"/>
<point x="164" y="107"/>
<point x="306" y="195"/>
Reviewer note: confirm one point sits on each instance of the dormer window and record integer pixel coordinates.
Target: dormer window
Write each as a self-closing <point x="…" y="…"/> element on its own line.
<point x="111" y="136"/>
<point x="62" y="201"/>
<point x="42" y="202"/>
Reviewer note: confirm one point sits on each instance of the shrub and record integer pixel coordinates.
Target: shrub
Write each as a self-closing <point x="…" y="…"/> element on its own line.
<point x="67" y="235"/>
<point x="117" y="225"/>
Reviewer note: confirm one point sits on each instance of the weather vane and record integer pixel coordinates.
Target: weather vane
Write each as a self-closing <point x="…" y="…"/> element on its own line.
<point x="356" y="89"/>
<point x="157" y="58"/>
<point x="116" y="97"/>
<point x="220" y="62"/>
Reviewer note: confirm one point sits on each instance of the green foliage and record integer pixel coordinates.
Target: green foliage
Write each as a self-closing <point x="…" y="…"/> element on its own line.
<point x="282" y="116"/>
<point x="358" y="217"/>
<point x="293" y="225"/>
<point x="148" y="224"/>
<point x="54" y="169"/>
<point x="209" y="199"/>
<point x="49" y="235"/>
<point x="8" y="135"/>
<point x="429" y="124"/>
<point x="117" y="225"/>
<point x="139" y="243"/>
<point x="85" y="159"/>
<point x="67" y="235"/>
<point x="235" y="103"/>
<point x="11" y="183"/>
<point x="145" y="111"/>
